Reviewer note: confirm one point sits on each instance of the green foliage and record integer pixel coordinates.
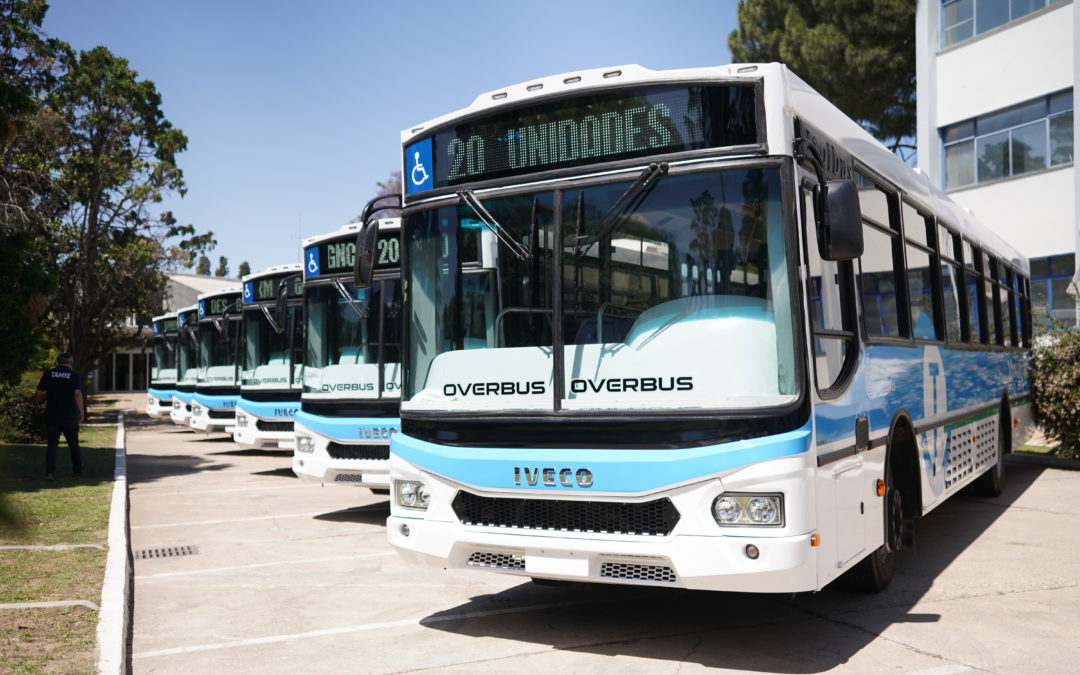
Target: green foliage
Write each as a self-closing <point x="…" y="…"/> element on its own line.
<point x="20" y="421"/>
<point x="243" y="270"/>
<point x="222" y="267"/>
<point x="1056" y="388"/>
<point x="859" y="54"/>
<point x="204" y="265"/>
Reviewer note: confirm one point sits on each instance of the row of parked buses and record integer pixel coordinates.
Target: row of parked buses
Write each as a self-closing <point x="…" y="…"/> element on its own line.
<point x="689" y="328"/>
<point x="297" y="358"/>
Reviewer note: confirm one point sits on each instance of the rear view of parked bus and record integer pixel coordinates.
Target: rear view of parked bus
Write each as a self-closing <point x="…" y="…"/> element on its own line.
<point x="692" y="329"/>
<point x="271" y="354"/>
<point x="213" y="406"/>
<point x="187" y="363"/>
<point x="352" y="372"/>
<point x="159" y="395"/>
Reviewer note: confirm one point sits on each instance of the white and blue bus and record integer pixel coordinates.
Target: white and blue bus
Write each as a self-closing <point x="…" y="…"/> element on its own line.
<point x="187" y="363"/>
<point x="352" y="372"/>
<point x="159" y="395"/>
<point x="213" y="405"/>
<point x="271" y="357"/>
<point x="690" y="328"/>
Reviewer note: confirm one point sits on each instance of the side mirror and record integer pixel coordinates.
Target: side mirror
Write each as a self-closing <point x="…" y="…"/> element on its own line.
<point x="281" y="307"/>
<point x="840" y="235"/>
<point x="364" y="265"/>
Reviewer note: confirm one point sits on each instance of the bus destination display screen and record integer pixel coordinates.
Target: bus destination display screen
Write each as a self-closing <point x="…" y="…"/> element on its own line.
<point x="217" y="306"/>
<point x="339" y="255"/>
<point x="583" y="130"/>
<point x="264" y="289"/>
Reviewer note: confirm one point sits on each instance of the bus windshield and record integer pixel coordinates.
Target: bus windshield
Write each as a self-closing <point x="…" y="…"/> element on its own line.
<point x="164" y="368"/>
<point x="186" y="363"/>
<point x="349" y="333"/>
<point x="675" y="296"/>
<point x="266" y="358"/>
<point x="217" y="360"/>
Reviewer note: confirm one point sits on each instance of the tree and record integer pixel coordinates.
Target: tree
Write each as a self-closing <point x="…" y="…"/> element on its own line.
<point x="390" y="186"/>
<point x="28" y="203"/>
<point x="222" y="267"/>
<point x="859" y="54"/>
<point x="204" y="266"/>
<point x="118" y="159"/>
<point x="244" y="269"/>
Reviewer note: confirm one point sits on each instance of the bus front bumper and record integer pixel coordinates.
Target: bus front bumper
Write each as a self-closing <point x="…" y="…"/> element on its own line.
<point x="317" y="466"/>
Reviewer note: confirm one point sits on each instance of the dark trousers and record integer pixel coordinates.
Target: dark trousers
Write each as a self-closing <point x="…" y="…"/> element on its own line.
<point x="70" y="430"/>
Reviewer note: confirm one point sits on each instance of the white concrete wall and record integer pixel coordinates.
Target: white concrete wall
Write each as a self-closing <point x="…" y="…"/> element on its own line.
<point x="1035" y="213"/>
<point x="1016" y="62"/>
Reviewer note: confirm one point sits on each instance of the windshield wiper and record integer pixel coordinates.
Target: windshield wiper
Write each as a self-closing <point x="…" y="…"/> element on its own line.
<point x="626" y="202"/>
<point x="351" y="301"/>
<point x="270" y="318"/>
<point x="517" y="248"/>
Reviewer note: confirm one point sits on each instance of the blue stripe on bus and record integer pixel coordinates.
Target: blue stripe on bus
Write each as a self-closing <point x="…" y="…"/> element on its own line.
<point x="183" y="396"/>
<point x="269" y="409"/>
<point x="613" y="470"/>
<point x="216" y="401"/>
<point x="164" y="394"/>
<point x="348" y="428"/>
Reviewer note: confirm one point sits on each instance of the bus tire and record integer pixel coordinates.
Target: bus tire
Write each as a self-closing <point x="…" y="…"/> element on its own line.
<point x="992" y="481"/>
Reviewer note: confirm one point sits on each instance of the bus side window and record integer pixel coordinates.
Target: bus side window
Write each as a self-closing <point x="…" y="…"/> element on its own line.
<point x="831" y="316"/>
<point x="878" y="281"/>
<point x="952" y="285"/>
<point x="926" y="313"/>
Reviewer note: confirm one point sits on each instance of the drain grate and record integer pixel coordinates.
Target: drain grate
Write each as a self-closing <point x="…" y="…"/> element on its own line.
<point x="166" y="552"/>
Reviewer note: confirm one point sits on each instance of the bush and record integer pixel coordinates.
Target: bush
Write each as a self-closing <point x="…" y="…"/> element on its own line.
<point x="1055" y="386"/>
<point x="19" y="418"/>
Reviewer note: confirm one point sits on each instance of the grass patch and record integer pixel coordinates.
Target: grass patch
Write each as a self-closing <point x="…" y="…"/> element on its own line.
<point x="41" y="576"/>
<point x="68" y="510"/>
<point x="48" y="640"/>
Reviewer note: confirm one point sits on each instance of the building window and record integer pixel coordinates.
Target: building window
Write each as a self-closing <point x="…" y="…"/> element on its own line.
<point x="964" y="19"/>
<point x="1027" y="137"/>
<point x="1050" y="298"/>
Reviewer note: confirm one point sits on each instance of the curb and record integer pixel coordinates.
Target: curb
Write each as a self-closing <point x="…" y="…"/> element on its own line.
<point x="1043" y="460"/>
<point x="114" y="619"/>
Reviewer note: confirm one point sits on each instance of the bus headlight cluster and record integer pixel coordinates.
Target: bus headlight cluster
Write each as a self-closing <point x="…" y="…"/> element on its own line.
<point x="411" y="494"/>
<point x="739" y="509"/>
<point x="196" y="410"/>
<point x="241" y="420"/>
<point x="305" y="444"/>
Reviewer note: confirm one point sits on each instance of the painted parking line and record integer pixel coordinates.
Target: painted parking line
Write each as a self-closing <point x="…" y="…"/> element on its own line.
<point x="228" y="520"/>
<point x="422" y="621"/>
<point x="232" y="568"/>
<point x="150" y="492"/>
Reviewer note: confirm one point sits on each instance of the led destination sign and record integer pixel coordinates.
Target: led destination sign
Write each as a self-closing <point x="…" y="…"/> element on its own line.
<point x="587" y="129"/>
<point x="218" y="305"/>
<point x="267" y="288"/>
<point x="339" y="255"/>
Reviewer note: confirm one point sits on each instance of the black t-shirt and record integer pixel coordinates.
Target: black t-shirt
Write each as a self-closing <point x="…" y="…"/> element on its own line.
<point x="59" y="385"/>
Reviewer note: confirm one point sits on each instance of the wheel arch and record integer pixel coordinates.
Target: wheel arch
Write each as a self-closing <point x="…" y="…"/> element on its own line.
<point x="902" y="456"/>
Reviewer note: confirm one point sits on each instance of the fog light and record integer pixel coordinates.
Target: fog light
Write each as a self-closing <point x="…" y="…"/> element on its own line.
<point x="752" y="552"/>
<point x="404" y="530"/>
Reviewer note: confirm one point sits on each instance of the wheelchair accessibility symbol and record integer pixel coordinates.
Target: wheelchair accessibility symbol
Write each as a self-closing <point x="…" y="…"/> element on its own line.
<point x="247" y="291"/>
<point x="312" y="262"/>
<point x="419" y="159"/>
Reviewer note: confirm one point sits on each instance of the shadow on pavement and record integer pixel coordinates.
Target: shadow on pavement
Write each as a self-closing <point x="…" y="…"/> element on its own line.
<point x="251" y="452"/>
<point x="780" y="633"/>
<point x="371" y="514"/>
<point x="284" y="472"/>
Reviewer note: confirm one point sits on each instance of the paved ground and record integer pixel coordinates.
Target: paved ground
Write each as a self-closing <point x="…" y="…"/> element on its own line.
<point x="290" y="578"/>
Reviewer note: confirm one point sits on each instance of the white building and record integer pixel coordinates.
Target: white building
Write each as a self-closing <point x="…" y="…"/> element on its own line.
<point x="129" y="369"/>
<point x="996" y="126"/>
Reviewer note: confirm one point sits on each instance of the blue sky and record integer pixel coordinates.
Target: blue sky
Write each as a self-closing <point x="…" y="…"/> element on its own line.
<point x="293" y="110"/>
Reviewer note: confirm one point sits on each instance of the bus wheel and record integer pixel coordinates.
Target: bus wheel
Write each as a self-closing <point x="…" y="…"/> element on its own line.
<point x="992" y="482"/>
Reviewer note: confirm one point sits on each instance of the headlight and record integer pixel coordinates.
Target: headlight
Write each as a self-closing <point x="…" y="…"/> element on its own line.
<point x="741" y="509"/>
<point x="241" y="420"/>
<point x="411" y="494"/>
<point x="305" y="444"/>
<point x="196" y="410"/>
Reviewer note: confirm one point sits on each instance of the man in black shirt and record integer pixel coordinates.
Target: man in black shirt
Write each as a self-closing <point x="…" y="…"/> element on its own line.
<point x="62" y="388"/>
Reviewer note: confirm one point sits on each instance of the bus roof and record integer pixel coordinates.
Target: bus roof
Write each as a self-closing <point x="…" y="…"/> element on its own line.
<point x="351" y="228"/>
<point x="783" y="91"/>
<point x="166" y="315"/>
<point x="274" y="271"/>
<point x="221" y="291"/>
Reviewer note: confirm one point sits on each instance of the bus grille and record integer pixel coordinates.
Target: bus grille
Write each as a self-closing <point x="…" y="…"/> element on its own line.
<point x="361" y="451"/>
<point x="349" y="478"/>
<point x="266" y="425"/>
<point x="220" y="414"/>
<point x="636" y="572"/>
<point x="655" y="518"/>
<point x="501" y="561"/>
